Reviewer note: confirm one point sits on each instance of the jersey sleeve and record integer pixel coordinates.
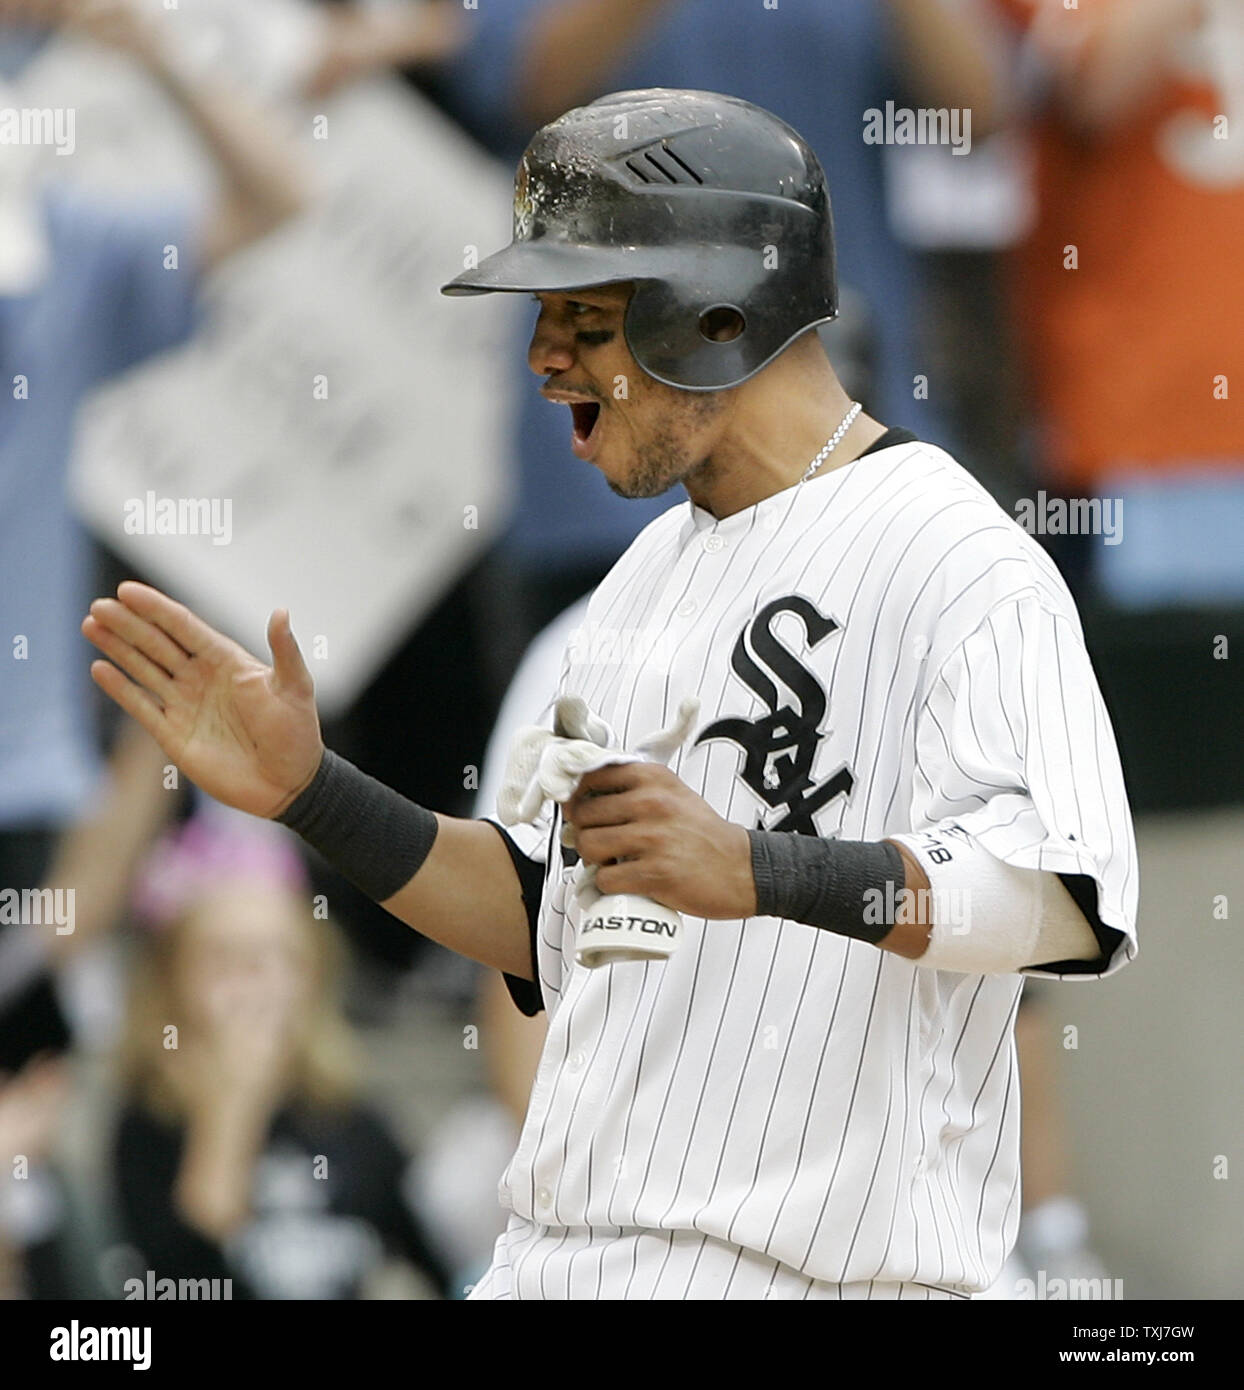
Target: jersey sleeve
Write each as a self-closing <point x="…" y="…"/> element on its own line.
<point x="1014" y="744"/>
<point x="529" y="859"/>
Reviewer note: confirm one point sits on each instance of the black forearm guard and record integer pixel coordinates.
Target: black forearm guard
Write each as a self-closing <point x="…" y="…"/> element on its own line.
<point x="851" y="887"/>
<point x="369" y="833"/>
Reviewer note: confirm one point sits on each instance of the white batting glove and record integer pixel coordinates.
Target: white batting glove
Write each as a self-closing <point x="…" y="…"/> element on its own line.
<point x="546" y="765"/>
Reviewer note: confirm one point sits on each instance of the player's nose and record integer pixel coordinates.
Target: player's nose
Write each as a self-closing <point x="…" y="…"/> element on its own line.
<point x="551" y="348"/>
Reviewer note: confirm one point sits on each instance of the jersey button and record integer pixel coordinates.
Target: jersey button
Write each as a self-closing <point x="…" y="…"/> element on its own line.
<point x="577" y="1061"/>
<point x="714" y="543"/>
<point x="544" y="1198"/>
<point x="686" y="608"/>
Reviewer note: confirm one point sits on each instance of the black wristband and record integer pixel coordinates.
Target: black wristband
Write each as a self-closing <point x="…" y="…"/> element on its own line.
<point x="851" y="887"/>
<point x="369" y="833"/>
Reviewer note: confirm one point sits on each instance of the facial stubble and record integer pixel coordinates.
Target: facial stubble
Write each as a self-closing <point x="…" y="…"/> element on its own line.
<point x="663" y="460"/>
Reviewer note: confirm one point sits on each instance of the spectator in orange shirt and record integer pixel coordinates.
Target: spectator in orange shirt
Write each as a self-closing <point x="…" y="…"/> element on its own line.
<point x="1128" y="296"/>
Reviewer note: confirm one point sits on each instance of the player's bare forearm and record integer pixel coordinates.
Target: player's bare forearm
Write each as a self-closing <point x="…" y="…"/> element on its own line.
<point x="467" y="896"/>
<point x="452" y="880"/>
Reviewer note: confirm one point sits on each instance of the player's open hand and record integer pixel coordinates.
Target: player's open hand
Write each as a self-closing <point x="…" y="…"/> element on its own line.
<point x="652" y="835"/>
<point x="247" y="733"/>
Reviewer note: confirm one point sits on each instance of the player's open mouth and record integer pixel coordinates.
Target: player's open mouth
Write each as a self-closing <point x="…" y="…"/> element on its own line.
<point x="586" y="417"/>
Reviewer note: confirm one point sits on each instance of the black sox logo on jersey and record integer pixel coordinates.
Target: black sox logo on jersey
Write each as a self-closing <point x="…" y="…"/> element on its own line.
<point x="780" y="746"/>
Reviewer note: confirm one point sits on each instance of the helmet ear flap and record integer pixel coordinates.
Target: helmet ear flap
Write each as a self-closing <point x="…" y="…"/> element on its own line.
<point x="688" y="339"/>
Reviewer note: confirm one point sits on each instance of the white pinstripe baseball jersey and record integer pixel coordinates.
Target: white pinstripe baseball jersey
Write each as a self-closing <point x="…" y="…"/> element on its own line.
<point x="878" y="650"/>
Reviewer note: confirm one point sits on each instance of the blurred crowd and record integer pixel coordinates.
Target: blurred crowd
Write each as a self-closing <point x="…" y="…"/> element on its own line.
<point x="206" y="1070"/>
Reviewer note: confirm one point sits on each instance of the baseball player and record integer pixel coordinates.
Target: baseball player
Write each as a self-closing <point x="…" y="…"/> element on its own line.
<point x="890" y="790"/>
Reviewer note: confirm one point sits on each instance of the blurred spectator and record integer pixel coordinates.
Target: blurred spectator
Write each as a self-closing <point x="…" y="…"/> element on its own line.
<point x="1054" y="1229"/>
<point x="243" y="1151"/>
<point x="88" y="289"/>
<point x="1128" y="305"/>
<point x="960" y="210"/>
<point x="1126" y="315"/>
<point x="85" y="887"/>
<point x="31" y="1199"/>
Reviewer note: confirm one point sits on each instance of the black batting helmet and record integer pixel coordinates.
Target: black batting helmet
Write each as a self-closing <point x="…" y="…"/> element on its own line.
<point x="715" y="208"/>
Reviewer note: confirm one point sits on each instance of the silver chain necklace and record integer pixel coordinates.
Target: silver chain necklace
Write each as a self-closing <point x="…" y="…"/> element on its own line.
<point x="832" y="442"/>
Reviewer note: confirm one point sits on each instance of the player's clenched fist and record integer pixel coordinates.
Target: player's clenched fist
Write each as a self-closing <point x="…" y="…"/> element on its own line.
<point x="247" y="733"/>
<point x="652" y="835"/>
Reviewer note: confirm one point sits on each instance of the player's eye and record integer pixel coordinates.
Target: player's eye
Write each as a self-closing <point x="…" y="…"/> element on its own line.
<point x="570" y="308"/>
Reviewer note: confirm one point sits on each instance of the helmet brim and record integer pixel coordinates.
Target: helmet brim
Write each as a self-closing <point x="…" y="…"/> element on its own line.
<point x="535" y="267"/>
